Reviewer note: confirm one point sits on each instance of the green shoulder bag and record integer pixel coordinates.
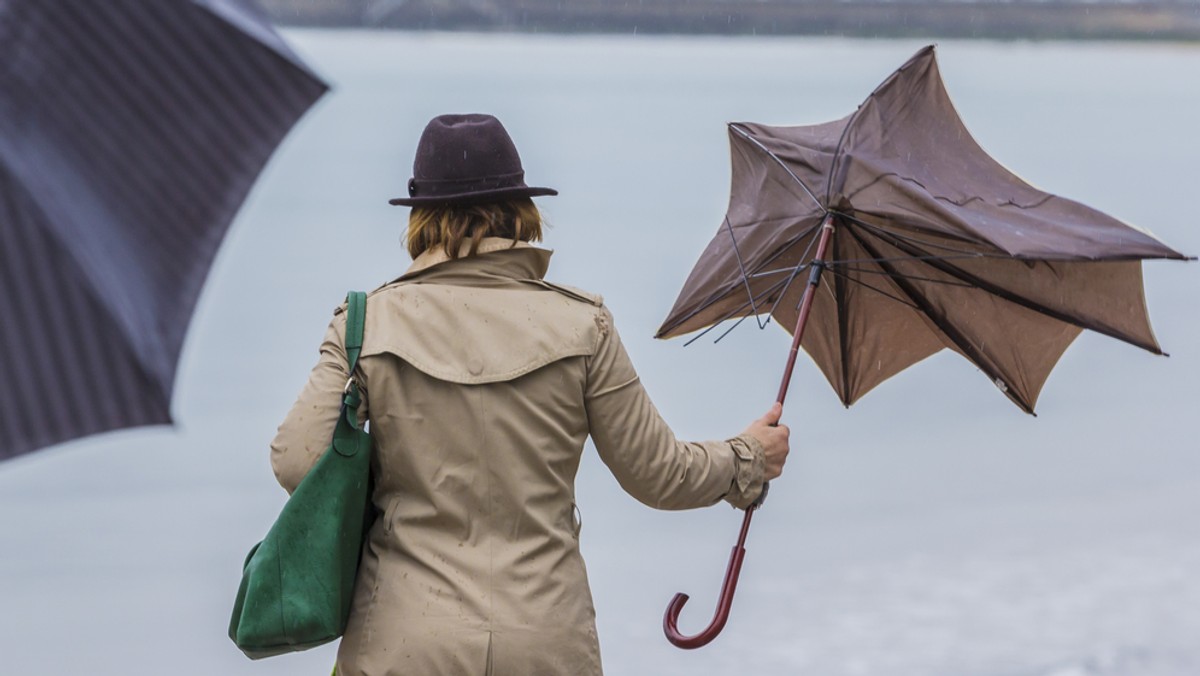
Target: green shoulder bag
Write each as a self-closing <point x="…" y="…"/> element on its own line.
<point x="297" y="584"/>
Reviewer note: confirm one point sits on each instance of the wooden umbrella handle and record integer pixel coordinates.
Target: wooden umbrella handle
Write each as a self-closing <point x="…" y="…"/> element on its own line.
<point x="724" y="603"/>
<point x="734" y="569"/>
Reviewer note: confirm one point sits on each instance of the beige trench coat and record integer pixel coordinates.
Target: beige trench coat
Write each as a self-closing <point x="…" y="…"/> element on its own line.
<point x="483" y="382"/>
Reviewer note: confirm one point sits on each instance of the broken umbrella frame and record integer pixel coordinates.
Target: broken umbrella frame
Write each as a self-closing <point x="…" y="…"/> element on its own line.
<point x="930" y="244"/>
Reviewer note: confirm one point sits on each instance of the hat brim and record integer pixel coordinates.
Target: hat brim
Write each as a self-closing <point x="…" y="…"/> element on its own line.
<point x="474" y="197"/>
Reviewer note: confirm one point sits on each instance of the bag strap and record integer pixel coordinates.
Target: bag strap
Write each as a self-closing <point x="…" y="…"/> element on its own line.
<point x="356" y="315"/>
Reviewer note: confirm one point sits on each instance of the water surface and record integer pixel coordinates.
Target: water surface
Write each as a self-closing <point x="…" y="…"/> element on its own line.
<point x="932" y="530"/>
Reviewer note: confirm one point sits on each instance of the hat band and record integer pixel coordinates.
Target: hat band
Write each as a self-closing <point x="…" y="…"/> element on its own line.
<point x="439" y="187"/>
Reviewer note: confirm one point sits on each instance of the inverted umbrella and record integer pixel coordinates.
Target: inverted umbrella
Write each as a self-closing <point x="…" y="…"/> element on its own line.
<point x="924" y="243"/>
<point x="130" y="134"/>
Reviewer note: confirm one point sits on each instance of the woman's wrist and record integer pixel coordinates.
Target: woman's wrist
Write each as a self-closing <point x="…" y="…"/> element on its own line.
<point x="749" y="466"/>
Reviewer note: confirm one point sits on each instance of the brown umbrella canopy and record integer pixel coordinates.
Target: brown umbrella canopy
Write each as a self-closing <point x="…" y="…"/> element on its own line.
<point x="935" y="245"/>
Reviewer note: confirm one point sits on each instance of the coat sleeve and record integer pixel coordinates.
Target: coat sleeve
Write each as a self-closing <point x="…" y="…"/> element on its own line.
<point x="642" y="451"/>
<point x="308" y="427"/>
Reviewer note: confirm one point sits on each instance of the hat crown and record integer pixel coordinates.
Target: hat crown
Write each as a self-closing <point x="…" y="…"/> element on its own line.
<point x="465" y="147"/>
<point x="465" y="158"/>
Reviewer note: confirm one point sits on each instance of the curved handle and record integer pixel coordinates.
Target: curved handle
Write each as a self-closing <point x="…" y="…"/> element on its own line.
<point x="724" y="602"/>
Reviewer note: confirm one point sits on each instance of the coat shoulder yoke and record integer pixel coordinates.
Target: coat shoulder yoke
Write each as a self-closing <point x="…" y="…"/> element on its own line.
<point x="473" y="335"/>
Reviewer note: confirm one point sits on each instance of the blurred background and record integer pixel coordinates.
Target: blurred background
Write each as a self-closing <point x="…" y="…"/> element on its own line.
<point x="931" y="530"/>
<point x="1008" y="19"/>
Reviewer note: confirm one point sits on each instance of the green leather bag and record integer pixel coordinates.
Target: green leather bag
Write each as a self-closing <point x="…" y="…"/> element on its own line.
<point x="298" y="582"/>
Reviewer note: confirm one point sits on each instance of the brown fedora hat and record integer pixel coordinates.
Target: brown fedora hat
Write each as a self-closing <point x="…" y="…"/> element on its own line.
<point x="466" y="159"/>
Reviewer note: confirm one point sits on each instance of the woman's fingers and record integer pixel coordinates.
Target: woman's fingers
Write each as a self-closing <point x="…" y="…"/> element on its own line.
<point x="774" y="440"/>
<point x="772" y="416"/>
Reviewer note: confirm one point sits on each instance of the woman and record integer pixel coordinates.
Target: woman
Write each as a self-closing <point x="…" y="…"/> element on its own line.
<point x="482" y="382"/>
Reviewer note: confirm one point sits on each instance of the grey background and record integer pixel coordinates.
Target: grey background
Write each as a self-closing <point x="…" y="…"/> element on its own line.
<point x="933" y="529"/>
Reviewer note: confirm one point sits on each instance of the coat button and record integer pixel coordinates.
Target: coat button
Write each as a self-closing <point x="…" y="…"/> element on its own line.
<point x="475" y="365"/>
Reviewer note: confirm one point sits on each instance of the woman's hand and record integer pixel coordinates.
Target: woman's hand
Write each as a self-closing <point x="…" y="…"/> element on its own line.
<point x="774" y="440"/>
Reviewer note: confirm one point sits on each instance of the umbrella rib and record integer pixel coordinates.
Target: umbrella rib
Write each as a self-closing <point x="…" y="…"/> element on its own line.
<point x="944" y="326"/>
<point x="839" y="293"/>
<point x="746" y="135"/>
<point x="876" y="289"/>
<point x="1000" y="292"/>
<point x="742" y="267"/>
<point x="914" y="278"/>
<point x="785" y="247"/>
<point x="769" y="290"/>
<point x="962" y="253"/>
<point x="894" y="259"/>
<point x="719" y="294"/>
<point x="837" y="150"/>
<point x="800" y="265"/>
<point x="844" y="262"/>
<point x="776" y="271"/>
<point x="731" y="328"/>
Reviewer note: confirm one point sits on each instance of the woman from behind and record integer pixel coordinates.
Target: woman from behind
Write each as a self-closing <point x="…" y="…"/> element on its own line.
<point x="482" y="381"/>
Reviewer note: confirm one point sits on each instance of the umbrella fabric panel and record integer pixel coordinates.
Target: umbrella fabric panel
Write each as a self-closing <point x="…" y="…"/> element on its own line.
<point x="144" y="116"/>
<point x="1014" y="345"/>
<point x="906" y="156"/>
<point x="772" y="220"/>
<point x="906" y="151"/>
<point x="874" y="313"/>
<point x="718" y="292"/>
<point x="136" y="129"/>
<point x="1104" y="296"/>
<point x="249" y="17"/>
<point x="803" y="156"/>
<point x="66" y="367"/>
<point x="861" y="333"/>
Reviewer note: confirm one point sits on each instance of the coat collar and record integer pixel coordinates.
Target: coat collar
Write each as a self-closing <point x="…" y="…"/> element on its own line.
<point x="496" y="256"/>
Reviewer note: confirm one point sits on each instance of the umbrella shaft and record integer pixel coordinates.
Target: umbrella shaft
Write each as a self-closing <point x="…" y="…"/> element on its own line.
<point x="810" y="292"/>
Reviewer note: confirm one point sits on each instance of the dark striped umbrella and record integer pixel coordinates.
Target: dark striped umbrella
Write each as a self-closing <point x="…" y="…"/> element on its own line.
<point x="130" y="133"/>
